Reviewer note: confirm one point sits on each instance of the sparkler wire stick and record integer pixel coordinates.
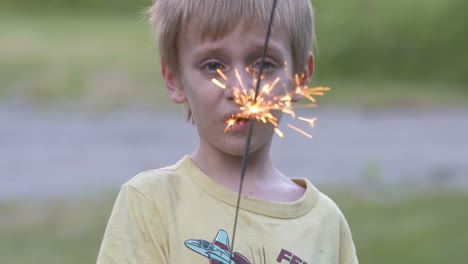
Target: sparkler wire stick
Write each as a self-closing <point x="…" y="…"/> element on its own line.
<point x="250" y="129"/>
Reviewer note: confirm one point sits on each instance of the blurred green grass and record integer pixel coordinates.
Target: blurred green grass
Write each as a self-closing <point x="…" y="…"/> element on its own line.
<point x="427" y="227"/>
<point x="389" y="53"/>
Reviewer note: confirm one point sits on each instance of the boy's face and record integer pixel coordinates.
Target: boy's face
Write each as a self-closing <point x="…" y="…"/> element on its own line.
<point x="211" y="106"/>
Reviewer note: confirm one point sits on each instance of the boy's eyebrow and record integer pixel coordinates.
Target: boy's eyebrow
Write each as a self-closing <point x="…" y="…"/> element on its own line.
<point x="208" y="51"/>
<point x="273" y="48"/>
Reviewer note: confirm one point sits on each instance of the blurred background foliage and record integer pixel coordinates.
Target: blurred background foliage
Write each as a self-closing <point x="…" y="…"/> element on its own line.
<point x="418" y="40"/>
<point x="378" y="53"/>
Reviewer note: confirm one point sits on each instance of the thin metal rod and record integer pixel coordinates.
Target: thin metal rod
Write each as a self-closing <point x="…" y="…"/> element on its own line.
<point x="265" y="48"/>
<point x="250" y="129"/>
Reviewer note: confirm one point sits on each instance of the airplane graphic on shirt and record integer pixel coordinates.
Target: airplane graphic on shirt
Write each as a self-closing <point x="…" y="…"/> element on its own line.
<point x="218" y="251"/>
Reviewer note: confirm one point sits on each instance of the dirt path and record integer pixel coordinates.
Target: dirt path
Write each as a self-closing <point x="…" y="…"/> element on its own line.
<point x="68" y="152"/>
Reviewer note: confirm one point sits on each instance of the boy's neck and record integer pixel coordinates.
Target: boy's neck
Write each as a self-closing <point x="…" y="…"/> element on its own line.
<point x="262" y="179"/>
<point x="225" y="168"/>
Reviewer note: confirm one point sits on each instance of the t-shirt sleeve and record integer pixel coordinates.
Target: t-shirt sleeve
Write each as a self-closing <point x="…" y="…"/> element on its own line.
<point x="134" y="233"/>
<point x="347" y="248"/>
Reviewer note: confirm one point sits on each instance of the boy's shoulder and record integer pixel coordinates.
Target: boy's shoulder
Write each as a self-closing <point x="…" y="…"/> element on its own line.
<point x="321" y="200"/>
<point x="162" y="180"/>
<point x="328" y="208"/>
<point x="155" y="175"/>
<point x="328" y="202"/>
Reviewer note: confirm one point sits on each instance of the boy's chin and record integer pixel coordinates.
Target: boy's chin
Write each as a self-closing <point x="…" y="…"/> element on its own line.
<point x="238" y="150"/>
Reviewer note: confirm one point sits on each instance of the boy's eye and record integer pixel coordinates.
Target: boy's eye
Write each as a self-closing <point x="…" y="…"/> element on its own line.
<point x="213" y="66"/>
<point x="266" y="65"/>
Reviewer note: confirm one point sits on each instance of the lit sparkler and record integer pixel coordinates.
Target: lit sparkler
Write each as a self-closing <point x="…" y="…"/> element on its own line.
<point x="262" y="106"/>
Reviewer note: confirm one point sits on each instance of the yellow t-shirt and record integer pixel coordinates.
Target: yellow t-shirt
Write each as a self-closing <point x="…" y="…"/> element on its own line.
<point x="180" y="215"/>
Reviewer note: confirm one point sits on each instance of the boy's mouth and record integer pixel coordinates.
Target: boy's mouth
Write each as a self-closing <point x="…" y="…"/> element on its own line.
<point x="237" y="125"/>
<point x="236" y="119"/>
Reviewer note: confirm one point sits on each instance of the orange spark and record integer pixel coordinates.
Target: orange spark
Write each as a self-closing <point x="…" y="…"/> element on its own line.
<point x="311" y="121"/>
<point x="253" y="109"/>
<point x="314" y="91"/>
<point x="240" y="80"/>
<point x="218" y="83"/>
<point x="277" y="131"/>
<point x="222" y="74"/>
<point x="306" y="105"/>
<point x="229" y="123"/>
<point x="274" y="123"/>
<point x="300" y="131"/>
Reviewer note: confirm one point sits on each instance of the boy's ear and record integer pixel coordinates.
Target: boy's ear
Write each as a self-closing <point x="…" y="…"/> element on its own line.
<point x="303" y="79"/>
<point x="173" y="84"/>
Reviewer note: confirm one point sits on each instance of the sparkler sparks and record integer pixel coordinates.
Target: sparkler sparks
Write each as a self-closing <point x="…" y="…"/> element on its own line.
<point x="262" y="107"/>
<point x="215" y="81"/>
<point x="220" y="72"/>
<point x="300" y="131"/>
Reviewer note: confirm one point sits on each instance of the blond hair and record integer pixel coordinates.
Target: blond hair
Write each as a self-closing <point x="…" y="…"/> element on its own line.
<point x="218" y="17"/>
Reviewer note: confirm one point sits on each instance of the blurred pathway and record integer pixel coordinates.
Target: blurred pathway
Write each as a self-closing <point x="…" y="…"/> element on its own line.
<point x="67" y="152"/>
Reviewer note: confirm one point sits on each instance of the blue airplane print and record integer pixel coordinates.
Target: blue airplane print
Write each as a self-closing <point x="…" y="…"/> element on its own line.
<point x="217" y="252"/>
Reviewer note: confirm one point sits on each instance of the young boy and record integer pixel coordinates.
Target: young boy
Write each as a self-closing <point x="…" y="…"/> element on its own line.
<point x="185" y="213"/>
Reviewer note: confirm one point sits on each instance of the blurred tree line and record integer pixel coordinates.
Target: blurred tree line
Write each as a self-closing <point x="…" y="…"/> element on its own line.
<point x="398" y="39"/>
<point x="417" y="39"/>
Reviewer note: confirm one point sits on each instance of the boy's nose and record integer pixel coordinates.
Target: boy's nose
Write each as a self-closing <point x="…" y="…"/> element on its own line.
<point x="229" y="92"/>
<point x="238" y="82"/>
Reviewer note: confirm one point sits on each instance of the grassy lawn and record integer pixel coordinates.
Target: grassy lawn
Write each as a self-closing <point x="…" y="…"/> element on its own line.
<point x="52" y="232"/>
<point x="429" y="227"/>
<point x="422" y="228"/>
